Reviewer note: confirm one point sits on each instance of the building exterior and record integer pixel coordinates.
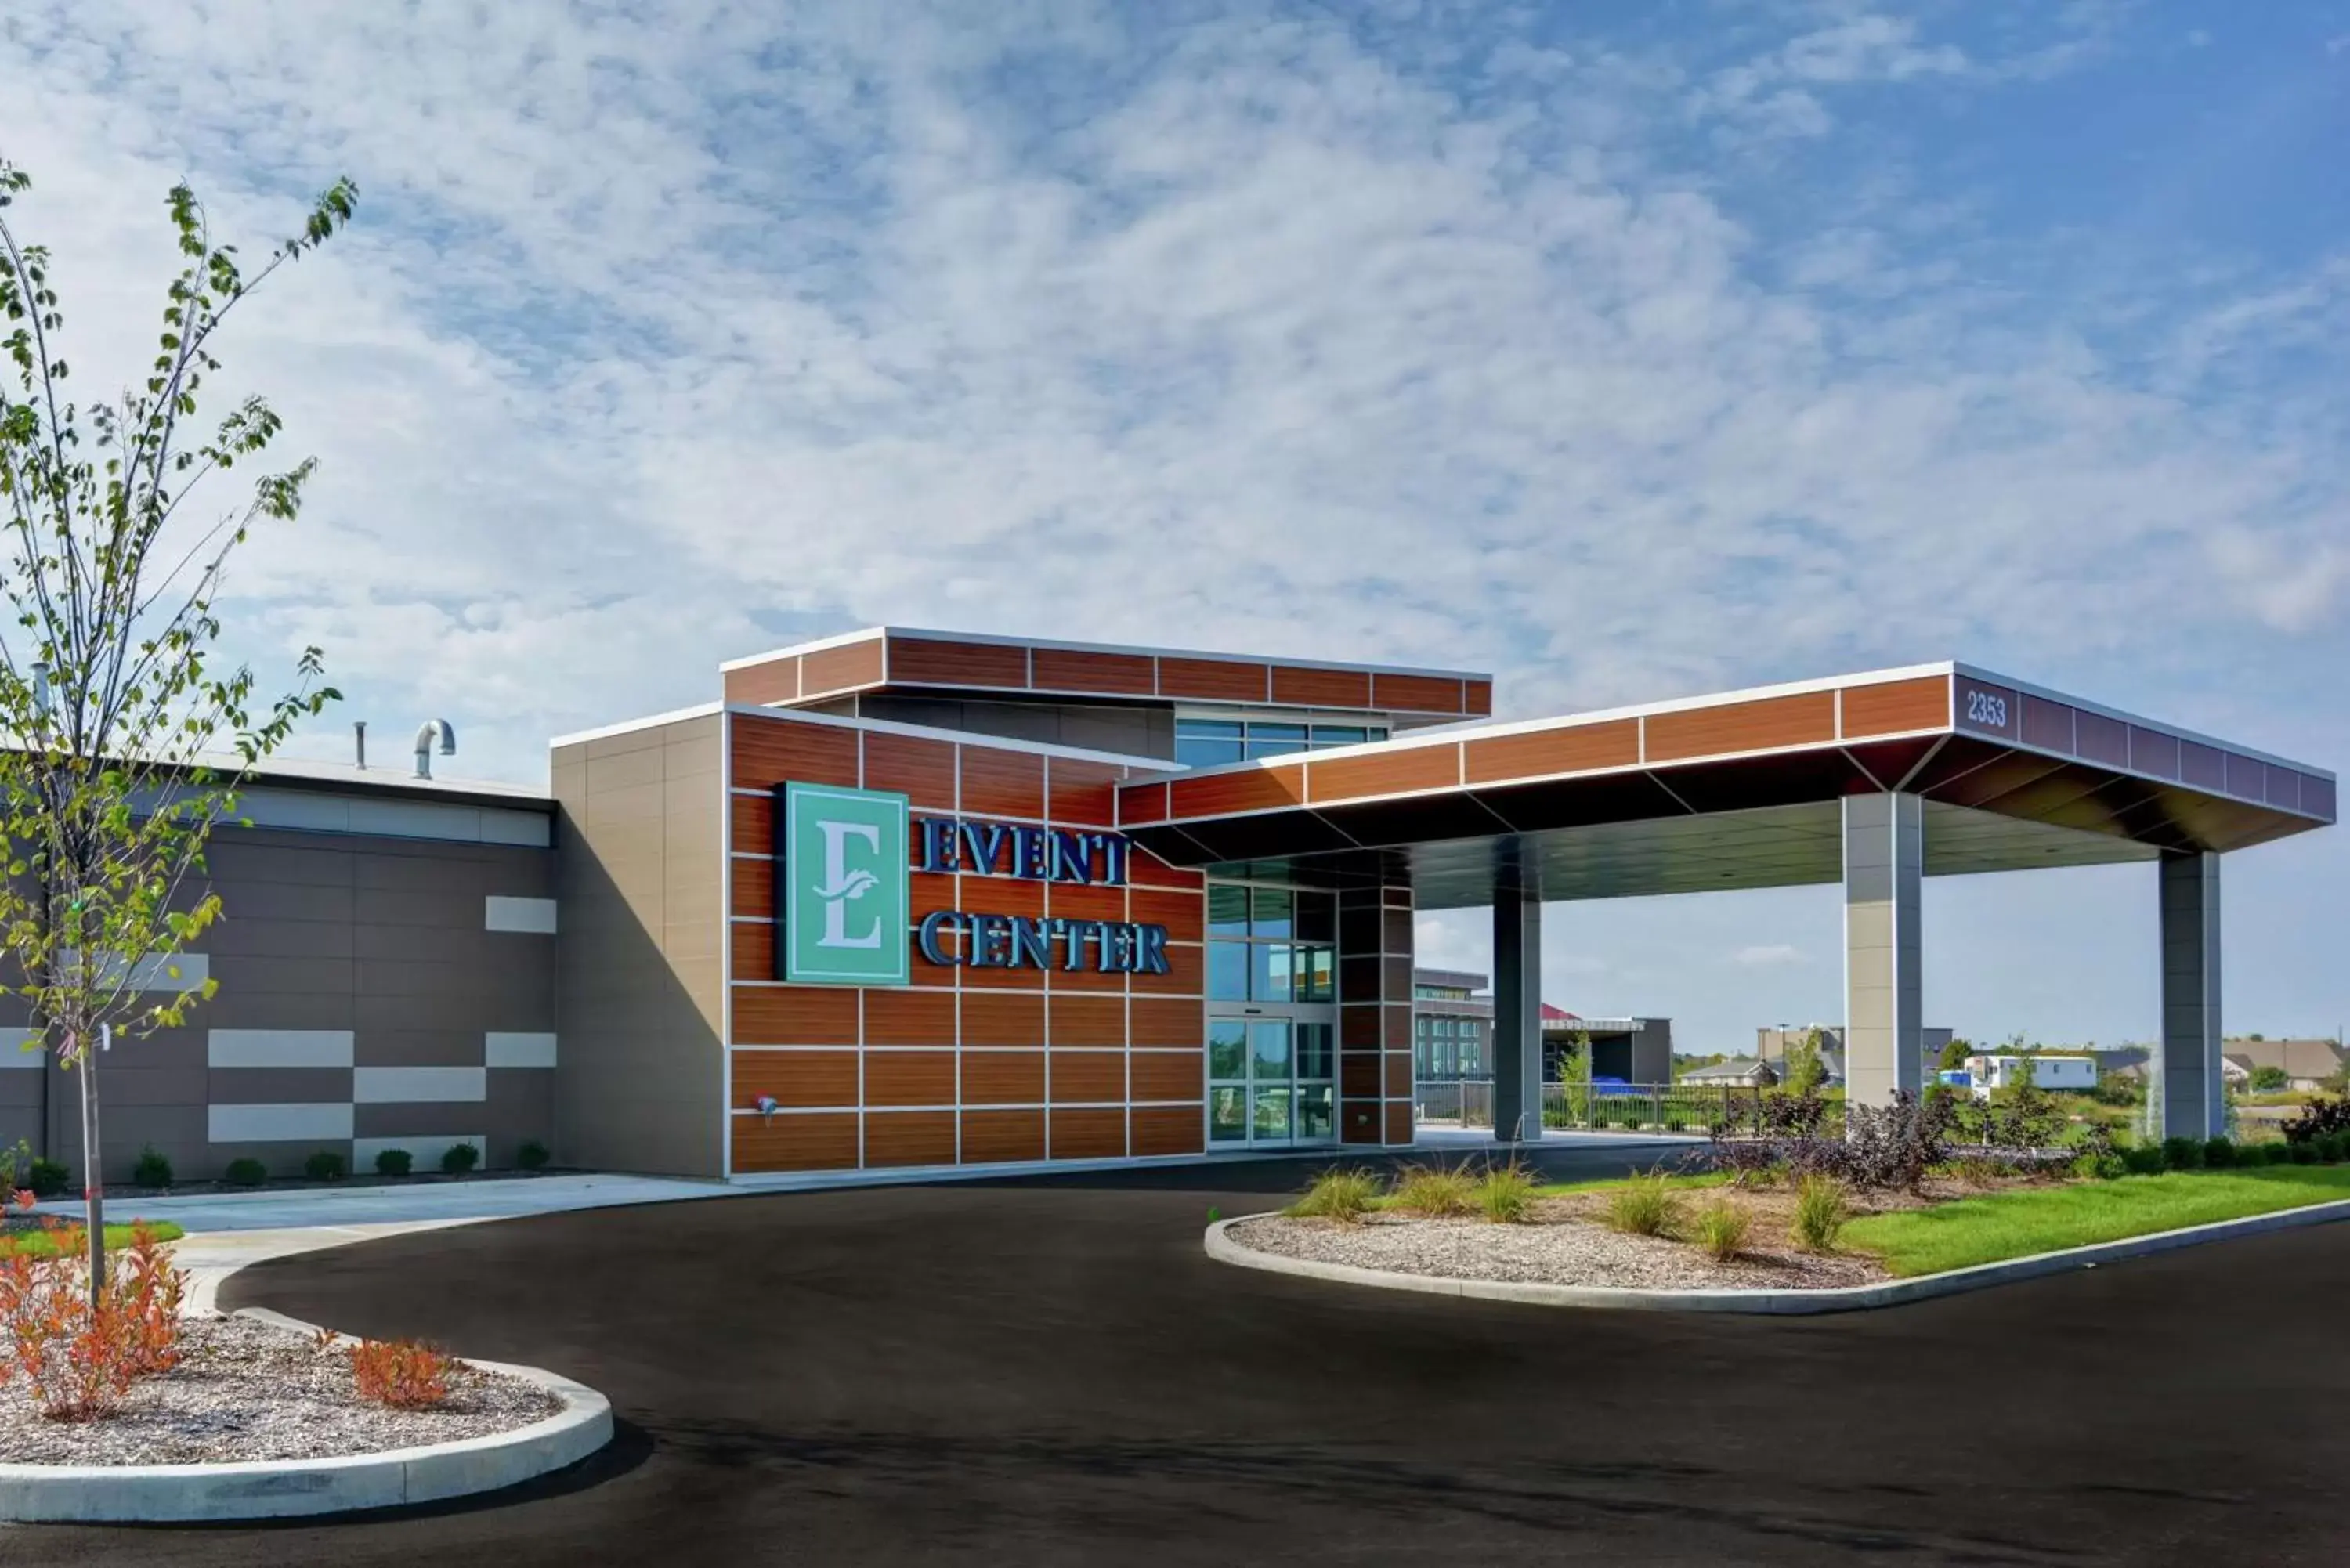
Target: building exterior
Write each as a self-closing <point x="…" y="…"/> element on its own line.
<point x="387" y="972"/>
<point x="2307" y="1063"/>
<point x="1772" y="1042"/>
<point x="920" y="900"/>
<point x="1738" y="1072"/>
<point x="1450" y="1027"/>
<point x="2076" y="1073"/>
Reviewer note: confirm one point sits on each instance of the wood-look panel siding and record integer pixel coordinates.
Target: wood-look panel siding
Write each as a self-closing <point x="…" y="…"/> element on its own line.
<point x="753" y="888"/>
<point x="1891" y="707"/>
<point x="1186" y="973"/>
<point x="770" y="751"/>
<point x="794" y="1015"/>
<point x="1807" y="718"/>
<point x="1211" y="680"/>
<point x="1168" y="1075"/>
<point x="895" y="1016"/>
<point x="1145" y="869"/>
<point x="2046" y="725"/>
<point x="1183" y="914"/>
<point x="775" y="681"/>
<point x="1070" y="901"/>
<point x="823" y="1140"/>
<point x="993" y="1137"/>
<point x="1415" y="693"/>
<point x="1477" y="698"/>
<point x="1001" y="1018"/>
<point x="755" y="949"/>
<point x="909" y="1077"/>
<point x="1167" y="1130"/>
<point x="1140" y="803"/>
<point x="2151" y="751"/>
<point x="1002" y="1077"/>
<point x="1397" y="773"/>
<point x="1574" y="748"/>
<point x="1062" y="670"/>
<point x="922" y="771"/>
<point x="1160" y="1021"/>
<point x="934" y="662"/>
<point x="910" y="1137"/>
<point x="1087" y="1077"/>
<point x="1303" y="687"/>
<point x="1087" y="1020"/>
<point x="1083" y="793"/>
<point x="843" y="669"/>
<point x="1249" y="789"/>
<point x="751" y="823"/>
<point x="1002" y="783"/>
<point x="1088" y="1135"/>
<point x="2098" y="739"/>
<point x="794" y="1077"/>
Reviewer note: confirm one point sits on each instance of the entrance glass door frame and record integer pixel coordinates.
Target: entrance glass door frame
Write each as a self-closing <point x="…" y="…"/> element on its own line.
<point x="1307" y="1091"/>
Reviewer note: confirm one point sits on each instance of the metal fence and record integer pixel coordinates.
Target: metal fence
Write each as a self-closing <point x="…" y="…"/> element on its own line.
<point x="1598" y="1107"/>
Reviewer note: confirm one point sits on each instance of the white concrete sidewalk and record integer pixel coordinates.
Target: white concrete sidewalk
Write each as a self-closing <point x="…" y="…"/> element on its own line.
<point x="405" y="1205"/>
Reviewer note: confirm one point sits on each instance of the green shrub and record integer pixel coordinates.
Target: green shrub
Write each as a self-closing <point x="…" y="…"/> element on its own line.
<point x="1721" y="1227"/>
<point x="2304" y="1153"/>
<point x="325" y="1164"/>
<point x="2103" y="1165"/>
<point x="1506" y="1193"/>
<point x="246" y="1172"/>
<point x="1339" y="1193"/>
<point x="1644" y="1205"/>
<point x="2281" y="1152"/>
<point x="393" y="1161"/>
<point x="153" y="1170"/>
<point x="1820" y="1213"/>
<point x="2332" y="1148"/>
<point x="458" y="1159"/>
<point x="2217" y="1154"/>
<point x="1437" y="1191"/>
<point x="532" y="1156"/>
<point x="47" y="1177"/>
<point x="2183" y="1153"/>
<point x="2145" y="1160"/>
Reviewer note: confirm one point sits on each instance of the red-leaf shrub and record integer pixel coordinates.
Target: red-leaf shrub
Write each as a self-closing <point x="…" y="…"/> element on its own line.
<point x="403" y="1371"/>
<point x="77" y="1361"/>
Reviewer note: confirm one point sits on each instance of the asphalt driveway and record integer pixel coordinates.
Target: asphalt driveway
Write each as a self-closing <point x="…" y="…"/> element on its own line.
<point x="1051" y="1372"/>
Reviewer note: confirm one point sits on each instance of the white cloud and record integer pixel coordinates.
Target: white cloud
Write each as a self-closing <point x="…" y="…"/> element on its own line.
<point x="659" y="341"/>
<point x="1768" y="955"/>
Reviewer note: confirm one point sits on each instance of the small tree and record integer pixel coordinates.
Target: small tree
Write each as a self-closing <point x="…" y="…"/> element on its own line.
<point x="2269" y="1079"/>
<point x="1955" y="1052"/>
<point x="1807" y="1071"/>
<point x="126" y="739"/>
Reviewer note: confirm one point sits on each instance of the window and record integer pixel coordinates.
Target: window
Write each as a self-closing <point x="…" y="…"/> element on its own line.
<point x="1272" y="944"/>
<point x="1205" y="743"/>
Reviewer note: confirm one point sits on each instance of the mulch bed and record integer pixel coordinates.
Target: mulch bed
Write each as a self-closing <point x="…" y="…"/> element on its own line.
<point x="1567" y="1242"/>
<point x="246" y="1390"/>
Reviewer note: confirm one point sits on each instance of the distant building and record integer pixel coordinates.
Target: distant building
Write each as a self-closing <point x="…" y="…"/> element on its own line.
<point x="2048" y="1070"/>
<point x="1451" y="1025"/>
<point x="1745" y="1071"/>
<point x="1452" y="1030"/>
<point x="2307" y="1064"/>
<point x="1772" y="1044"/>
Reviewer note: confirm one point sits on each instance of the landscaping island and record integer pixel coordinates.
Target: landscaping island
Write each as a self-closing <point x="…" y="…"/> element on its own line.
<point x="1785" y="1206"/>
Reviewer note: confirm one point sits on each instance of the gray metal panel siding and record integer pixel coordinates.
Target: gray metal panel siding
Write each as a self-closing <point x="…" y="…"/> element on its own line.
<point x="380" y="935"/>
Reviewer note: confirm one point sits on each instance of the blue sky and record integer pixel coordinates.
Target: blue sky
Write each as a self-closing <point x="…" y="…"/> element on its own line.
<point x="1627" y="350"/>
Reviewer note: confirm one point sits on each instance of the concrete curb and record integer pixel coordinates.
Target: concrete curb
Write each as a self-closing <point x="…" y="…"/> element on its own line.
<point x="279" y="1489"/>
<point x="1848" y="1298"/>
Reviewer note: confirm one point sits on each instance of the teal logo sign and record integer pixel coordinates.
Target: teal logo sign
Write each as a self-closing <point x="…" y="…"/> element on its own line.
<point x="844" y="870"/>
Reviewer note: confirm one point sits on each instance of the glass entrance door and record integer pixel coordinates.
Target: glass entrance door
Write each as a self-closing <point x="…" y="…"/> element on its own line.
<point x="1271" y="1082"/>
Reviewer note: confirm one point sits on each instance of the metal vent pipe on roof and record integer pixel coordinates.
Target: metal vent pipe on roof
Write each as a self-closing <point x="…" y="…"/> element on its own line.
<point x="359" y="738"/>
<point x="424" y="734"/>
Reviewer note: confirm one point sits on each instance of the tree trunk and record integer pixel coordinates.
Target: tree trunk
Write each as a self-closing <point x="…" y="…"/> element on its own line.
<point x="93" y="1172"/>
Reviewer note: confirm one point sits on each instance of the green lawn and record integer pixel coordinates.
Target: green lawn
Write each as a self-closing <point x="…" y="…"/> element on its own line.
<point x="2017" y="1224"/>
<point x="41" y="1243"/>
